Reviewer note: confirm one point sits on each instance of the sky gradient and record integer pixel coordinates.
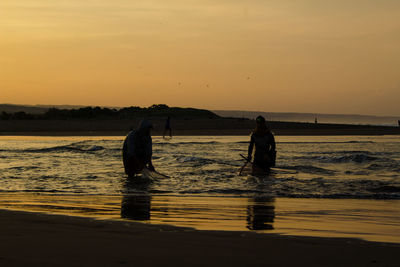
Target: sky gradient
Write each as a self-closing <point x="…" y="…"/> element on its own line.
<point x="267" y="55"/>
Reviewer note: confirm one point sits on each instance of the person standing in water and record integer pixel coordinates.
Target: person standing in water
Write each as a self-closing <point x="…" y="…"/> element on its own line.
<point x="138" y="149"/>
<point x="264" y="141"/>
<point x="168" y="127"/>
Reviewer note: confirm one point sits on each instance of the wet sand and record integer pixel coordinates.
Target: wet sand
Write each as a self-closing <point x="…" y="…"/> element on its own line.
<point x="35" y="239"/>
<point x="74" y="230"/>
<point x="372" y="220"/>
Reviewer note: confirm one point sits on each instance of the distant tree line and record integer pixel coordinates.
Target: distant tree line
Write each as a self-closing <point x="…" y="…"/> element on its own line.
<point x="160" y="110"/>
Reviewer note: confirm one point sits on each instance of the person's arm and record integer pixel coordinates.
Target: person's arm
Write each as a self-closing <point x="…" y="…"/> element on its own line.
<point x="250" y="150"/>
<point x="130" y="144"/>
<point x="149" y="153"/>
<point x="272" y="152"/>
<point x="273" y="145"/>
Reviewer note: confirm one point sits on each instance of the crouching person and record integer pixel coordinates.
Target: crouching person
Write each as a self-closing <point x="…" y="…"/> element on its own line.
<point x="137" y="150"/>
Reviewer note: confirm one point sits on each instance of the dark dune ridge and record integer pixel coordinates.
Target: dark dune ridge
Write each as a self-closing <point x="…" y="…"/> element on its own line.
<point x="183" y="126"/>
<point x="184" y="121"/>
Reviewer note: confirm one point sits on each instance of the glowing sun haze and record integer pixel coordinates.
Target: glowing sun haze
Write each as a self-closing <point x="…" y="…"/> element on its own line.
<point x="269" y="55"/>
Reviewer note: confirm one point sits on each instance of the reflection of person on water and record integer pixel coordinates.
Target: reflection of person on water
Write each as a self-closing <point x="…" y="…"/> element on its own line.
<point x="137" y="149"/>
<point x="136" y="207"/>
<point x="261" y="214"/>
<point x="136" y="201"/>
<point x="264" y="141"/>
<point x="167" y="127"/>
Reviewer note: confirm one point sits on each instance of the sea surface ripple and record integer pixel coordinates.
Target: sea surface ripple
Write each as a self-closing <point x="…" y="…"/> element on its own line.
<point x="307" y="167"/>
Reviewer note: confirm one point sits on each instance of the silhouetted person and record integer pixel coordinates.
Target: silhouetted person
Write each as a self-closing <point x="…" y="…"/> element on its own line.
<point x="264" y="141"/>
<point x="398" y="122"/>
<point x="316" y="121"/>
<point x="167" y="127"/>
<point x="137" y="150"/>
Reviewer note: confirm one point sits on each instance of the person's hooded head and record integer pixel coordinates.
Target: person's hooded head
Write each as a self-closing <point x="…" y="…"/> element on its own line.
<point x="145" y="126"/>
<point x="261" y="126"/>
<point x="260" y="120"/>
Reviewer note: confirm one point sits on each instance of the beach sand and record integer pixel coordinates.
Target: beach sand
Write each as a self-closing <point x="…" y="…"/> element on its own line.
<point x="36" y="239"/>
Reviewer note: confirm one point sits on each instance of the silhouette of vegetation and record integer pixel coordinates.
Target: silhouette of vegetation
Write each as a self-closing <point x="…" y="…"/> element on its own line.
<point x="159" y="110"/>
<point x="20" y="115"/>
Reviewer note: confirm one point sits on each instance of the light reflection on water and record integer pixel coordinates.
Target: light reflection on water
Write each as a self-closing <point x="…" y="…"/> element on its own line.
<point x="312" y="167"/>
<point x="374" y="220"/>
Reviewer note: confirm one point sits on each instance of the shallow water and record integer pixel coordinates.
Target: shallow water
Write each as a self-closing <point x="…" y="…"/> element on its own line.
<point x="373" y="220"/>
<point x="344" y="186"/>
<point x="309" y="167"/>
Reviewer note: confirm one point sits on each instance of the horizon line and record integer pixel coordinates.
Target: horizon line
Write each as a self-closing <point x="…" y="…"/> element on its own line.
<point x="210" y="109"/>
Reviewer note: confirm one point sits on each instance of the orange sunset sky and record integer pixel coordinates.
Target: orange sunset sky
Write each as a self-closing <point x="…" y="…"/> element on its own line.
<point x="321" y="56"/>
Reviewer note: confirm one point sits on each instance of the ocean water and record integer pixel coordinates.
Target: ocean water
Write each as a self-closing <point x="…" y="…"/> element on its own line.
<point x="330" y="186"/>
<point x="331" y="167"/>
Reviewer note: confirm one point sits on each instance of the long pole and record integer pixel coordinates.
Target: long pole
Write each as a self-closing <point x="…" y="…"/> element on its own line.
<point x="247" y="161"/>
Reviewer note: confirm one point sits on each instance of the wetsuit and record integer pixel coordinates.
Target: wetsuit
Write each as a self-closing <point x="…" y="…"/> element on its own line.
<point x="264" y="155"/>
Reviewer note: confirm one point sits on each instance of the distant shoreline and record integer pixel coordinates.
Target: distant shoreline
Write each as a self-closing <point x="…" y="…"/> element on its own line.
<point x="182" y="127"/>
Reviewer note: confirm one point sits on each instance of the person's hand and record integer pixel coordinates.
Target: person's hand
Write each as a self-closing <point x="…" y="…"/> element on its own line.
<point x="151" y="167"/>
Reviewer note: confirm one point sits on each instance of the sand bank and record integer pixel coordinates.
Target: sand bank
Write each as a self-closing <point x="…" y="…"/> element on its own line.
<point x="35" y="239"/>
